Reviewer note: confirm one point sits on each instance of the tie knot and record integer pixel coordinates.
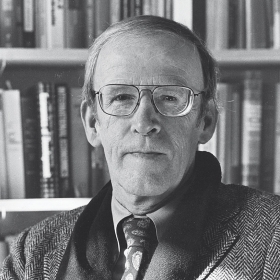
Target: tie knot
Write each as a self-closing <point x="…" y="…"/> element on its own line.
<point x="138" y="231"/>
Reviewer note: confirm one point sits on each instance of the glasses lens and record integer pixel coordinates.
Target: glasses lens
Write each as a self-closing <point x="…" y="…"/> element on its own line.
<point x="173" y="100"/>
<point x="118" y="100"/>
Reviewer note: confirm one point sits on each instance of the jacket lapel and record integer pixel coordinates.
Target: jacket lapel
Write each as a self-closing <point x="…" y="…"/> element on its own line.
<point x="220" y="235"/>
<point x="201" y="233"/>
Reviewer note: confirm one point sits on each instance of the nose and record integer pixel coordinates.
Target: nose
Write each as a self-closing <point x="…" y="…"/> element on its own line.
<point x="146" y="121"/>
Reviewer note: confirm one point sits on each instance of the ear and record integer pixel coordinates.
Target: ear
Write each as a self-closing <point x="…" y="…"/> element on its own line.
<point x="208" y="123"/>
<point x="90" y="122"/>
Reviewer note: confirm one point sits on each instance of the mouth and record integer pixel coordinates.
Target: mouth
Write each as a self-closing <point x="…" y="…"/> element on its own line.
<point x="148" y="155"/>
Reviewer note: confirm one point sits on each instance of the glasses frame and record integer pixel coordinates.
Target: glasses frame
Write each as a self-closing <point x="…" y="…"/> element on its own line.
<point x="184" y="113"/>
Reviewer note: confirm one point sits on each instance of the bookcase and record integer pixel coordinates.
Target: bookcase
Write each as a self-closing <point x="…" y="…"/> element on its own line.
<point x="24" y="67"/>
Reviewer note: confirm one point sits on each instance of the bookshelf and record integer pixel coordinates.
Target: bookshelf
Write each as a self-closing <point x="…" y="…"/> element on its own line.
<point x="25" y="66"/>
<point x="77" y="57"/>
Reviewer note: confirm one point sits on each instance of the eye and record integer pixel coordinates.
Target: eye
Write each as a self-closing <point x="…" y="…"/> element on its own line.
<point x="123" y="97"/>
<point x="169" y="98"/>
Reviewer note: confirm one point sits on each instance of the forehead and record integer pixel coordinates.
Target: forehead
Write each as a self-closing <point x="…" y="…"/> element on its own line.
<point x="159" y="59"/>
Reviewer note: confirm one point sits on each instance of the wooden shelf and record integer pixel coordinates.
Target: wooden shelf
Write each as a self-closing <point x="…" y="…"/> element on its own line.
<point x="41" y="204"/>
<point x="77" y="57"/>
<point x="254" y="57"/>
<point x="50" y="57"/>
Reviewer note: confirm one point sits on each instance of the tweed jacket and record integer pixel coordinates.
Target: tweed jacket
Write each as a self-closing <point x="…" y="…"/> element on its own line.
<point x="240" y="240"/>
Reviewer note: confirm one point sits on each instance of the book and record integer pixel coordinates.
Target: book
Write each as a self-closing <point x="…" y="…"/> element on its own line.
<point x="4" y="191"/>
<point x="138" y="7"/>
<point x="43" y="22"/>
<point x="7" y="24"/>
<point x="115" y="11"/>
<point x="257" y="24"/>
<point x="235" y="172"/>
<point x="199" y="19"/>
<point x="160" y="8"/>
<point x="276" y="179"/>
<point x="14" y="143"/>
<point x="89" y="12"/>
<point x="62" y="95"/>
<point x="48" y="165"/>
<point x="267" y="137"/>
<point x="28" y="35"/>
<point x="147" y="7"/>
<point x="31" y="143"/>
<point x="102" y="16"/>
<point x="74" y="24"/>
<point x="57" y="24"/>
<point x="183" y="12"/>
<point x="168" y="9"/>
<point x="276" y="24"/>
<point x="125" y="9"/>
<point x="217" y="24"/>
<point x="79" y="147"/>
<point x="251" y="128"/>
<point x="224" y="132"/>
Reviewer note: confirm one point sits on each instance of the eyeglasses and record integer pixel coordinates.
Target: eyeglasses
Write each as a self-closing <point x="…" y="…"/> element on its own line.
<point x="168" y="100"/>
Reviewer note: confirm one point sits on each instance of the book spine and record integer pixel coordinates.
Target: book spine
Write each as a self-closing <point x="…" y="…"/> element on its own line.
<point x="251" y="128"/>
<point x="168" y="9"/>
<point x="57" y="24"/>
<point x="79" y="147"/>
<point x="14" y="143"/>
<point x="276" y="24"/>
<point x="276" y="180"/>
<point x="223" y="129"/>
<point x="102" y="16"/>
<point x="161" y="8"/>
<point x="147" y="7"/>
<point x="4" y="191"/>
<point x="125" y="9"/>
<point x="7" y="26"/>
<point x="47" y="174"/>
<point x="257" y="25"/>
<point x="89" y="11"/>
<point x="74" y="24"/>
<point x="267" y="138"/>
<point x="183" y="12"/>
<point x="236" y="135"/>
<point x="138" y="7"/>
<point x="28" y="24"/>
<point x="18" y="14"/>
<point x="31" y="144"/>
<point x="62" y="95"/>
<point x="241" y="25"/>
<point x="199" y="18"/>
<point x="43" y="23"/>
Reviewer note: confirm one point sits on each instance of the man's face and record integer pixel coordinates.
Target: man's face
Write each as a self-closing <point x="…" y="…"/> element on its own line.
<point x="148" y="154"/>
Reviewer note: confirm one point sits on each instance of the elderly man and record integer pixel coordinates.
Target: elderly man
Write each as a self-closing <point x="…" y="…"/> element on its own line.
<point x="149" y="100"/>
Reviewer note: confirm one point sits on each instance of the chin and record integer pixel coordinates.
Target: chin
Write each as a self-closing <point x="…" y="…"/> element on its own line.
<point x="145" y="187"/>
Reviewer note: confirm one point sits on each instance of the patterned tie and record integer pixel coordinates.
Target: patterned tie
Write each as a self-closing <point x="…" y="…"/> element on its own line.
<point x="141" y="241"/>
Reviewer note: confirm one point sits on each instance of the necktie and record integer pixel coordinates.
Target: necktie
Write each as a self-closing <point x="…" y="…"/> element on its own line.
<point x="141" y="241"/>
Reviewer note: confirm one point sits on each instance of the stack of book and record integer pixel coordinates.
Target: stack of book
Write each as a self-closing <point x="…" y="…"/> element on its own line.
<point x="44" y="150"/>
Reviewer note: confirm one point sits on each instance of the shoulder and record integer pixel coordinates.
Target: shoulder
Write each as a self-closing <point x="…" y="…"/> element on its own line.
<point x="253" y="205"/>
<point x="53" y="228"/>
<point x="48" y="237"/>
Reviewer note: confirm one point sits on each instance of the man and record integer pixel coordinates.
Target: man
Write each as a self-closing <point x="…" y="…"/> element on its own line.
<point x="149" y="99"/>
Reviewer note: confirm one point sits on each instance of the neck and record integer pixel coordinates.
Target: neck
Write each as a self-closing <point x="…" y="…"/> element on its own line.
<point x="141" y="205"/>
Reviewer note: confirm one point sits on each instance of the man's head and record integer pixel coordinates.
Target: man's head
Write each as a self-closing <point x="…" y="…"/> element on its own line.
<point x="148" y="152"/>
